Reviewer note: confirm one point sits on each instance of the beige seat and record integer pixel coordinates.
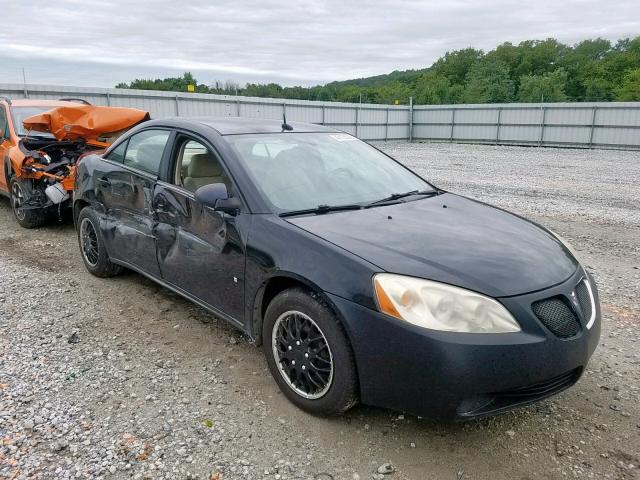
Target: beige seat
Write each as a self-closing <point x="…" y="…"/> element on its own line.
<point x="204" y="169"/>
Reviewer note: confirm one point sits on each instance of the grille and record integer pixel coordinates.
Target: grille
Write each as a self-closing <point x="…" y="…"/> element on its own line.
<point x="543" y="389"/>
<point x="493" y="403"/>
<point x="557" y="316"/>
<point x="582" y="292"/>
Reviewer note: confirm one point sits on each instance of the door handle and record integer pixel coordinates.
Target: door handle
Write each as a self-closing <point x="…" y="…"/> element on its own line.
<point x="160" y="206"/>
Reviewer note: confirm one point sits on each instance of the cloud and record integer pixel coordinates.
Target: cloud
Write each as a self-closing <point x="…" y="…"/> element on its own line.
<point x="301" y="42"/>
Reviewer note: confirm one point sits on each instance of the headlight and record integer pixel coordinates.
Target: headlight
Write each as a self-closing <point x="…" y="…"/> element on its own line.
<point x="439" y="306"/>
<point x="567" y="245"/>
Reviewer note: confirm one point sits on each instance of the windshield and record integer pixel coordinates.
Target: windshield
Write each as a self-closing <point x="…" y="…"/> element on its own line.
<point x="297" y="171"/>
<point x="19" y="114"/>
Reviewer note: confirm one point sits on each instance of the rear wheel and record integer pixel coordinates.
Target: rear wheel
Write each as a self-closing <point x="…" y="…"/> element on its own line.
<point x="308" y="353"/>
<point x="94" y="253"/>
<point x="26" y="217"/>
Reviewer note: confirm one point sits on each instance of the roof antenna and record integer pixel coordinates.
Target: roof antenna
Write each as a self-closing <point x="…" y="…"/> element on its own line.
<point x="285" y="125"/>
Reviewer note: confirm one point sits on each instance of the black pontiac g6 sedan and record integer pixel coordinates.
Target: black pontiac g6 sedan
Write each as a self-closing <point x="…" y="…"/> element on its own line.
<point x="361" y="281"/>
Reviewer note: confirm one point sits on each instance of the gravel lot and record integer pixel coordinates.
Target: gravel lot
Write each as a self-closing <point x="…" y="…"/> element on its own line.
<point x="120" y="378"/>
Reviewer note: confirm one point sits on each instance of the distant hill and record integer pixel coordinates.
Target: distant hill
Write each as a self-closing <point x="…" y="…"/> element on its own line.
<point x="403" y="76"/>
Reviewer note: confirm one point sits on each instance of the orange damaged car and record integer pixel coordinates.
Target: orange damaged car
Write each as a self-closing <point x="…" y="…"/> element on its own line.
<point x="42" y="140"/>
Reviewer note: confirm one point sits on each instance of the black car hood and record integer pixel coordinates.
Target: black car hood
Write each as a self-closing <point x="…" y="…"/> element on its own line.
<point x="450" y="239"/>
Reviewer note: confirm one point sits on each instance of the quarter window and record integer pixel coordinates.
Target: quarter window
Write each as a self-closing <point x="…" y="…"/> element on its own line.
<point x="117" y="154"/>
<point x="145" y="150"/>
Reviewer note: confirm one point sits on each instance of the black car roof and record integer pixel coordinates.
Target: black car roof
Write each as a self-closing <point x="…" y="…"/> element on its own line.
<point x="238" y="125"/>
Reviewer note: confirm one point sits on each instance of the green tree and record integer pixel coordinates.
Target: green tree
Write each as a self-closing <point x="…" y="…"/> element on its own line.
<point x="629" y="91"/>
<point x="173" y="84"/>
<point x="489" y="82"/>
<point x="538" y="57"/>
<point x="456" y="65"/>
<point x="391" y="92"/>
<point x="433" y="89"/>
<point x="548" y="87"/>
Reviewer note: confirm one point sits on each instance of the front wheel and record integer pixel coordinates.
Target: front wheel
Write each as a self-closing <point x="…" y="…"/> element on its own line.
<point x="26" y="217"/>
<point x="308" y="353"/>
<point x="94" y="254"/>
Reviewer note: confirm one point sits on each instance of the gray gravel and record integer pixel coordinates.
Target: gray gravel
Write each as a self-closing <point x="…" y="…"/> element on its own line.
<point x="120" y="378"/>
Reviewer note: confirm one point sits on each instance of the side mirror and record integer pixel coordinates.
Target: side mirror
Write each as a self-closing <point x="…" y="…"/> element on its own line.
<point x="215" y="196"/>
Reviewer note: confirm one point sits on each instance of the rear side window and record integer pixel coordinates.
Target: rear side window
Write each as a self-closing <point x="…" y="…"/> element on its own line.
<point x="145" y="150"/>
<point x="117" y="154"/>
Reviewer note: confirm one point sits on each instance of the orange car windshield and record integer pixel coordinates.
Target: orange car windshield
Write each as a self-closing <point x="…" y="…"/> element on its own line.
<point x="20" y="113"/>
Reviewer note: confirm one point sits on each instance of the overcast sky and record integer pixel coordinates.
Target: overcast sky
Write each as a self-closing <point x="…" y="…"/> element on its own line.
<point x="293" y="42"/>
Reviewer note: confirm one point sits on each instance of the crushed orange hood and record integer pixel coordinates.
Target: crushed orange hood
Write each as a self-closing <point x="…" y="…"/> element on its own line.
<point x="85" y="121"/>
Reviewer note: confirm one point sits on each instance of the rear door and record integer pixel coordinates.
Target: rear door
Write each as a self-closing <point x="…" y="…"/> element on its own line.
<point x="125" y="188"/>
<point x="200" y="251"/>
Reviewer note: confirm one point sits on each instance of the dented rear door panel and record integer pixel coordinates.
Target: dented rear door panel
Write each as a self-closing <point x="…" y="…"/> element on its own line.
<point x="128" y="224"/>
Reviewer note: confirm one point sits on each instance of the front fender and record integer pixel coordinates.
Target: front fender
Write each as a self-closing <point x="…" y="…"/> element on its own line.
<point x="278" y="249"/>
<point x="16" y="159"/>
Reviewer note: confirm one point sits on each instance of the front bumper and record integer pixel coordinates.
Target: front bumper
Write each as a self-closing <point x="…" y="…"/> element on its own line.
<point x="462" y="375"/>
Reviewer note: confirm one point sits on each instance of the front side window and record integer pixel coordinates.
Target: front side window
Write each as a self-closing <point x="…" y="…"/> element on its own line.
<point x="197" y="166"/>
<point x="145" y="150"/>
<point x="297" y="171"/>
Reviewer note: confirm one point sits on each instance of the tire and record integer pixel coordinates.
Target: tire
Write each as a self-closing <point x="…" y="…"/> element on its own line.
<point x="324" y="379"/>
<point x="94" y="253"/>
<point x="32" y="218"/>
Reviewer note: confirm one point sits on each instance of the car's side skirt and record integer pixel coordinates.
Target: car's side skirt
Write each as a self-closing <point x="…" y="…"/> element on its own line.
<point x="236" y="323"/>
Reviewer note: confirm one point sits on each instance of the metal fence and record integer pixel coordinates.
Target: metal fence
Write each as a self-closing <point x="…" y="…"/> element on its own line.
<point x="587" y="125"/>
<point x="590" y="125"/>
<point x="366" y="121"/>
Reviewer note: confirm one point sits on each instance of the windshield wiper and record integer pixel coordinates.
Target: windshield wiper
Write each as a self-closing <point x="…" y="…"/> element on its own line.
<point x="320" y="209"/>
<point x="397" y="196"/>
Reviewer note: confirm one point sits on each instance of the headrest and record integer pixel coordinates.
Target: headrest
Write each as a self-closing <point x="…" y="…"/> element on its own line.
<point x="204" y="165"/>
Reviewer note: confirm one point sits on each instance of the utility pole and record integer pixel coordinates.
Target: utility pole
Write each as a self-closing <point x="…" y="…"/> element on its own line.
<point x="410" y="119"/>
<point x="24" y="83"/>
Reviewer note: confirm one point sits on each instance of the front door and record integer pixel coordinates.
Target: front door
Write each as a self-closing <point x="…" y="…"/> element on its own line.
<point x="199" y="250"/>
<point x="125" y="188"/>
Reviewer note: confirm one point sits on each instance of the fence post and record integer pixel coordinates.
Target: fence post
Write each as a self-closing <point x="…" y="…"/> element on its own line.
<point x="593" y="125"/>
<point x="323" y="113"/>
<point x="453" y="123"/>
<point x="177" y="106"/>
<point x="542" y="125"/>
<point x="357" y="120"/>
<point x="498" y="126"/>
<point x="410" y="119"/>
<point x="386" y="126"/>
<point x="237" y="106"/>
<point x="108" y="99"/>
